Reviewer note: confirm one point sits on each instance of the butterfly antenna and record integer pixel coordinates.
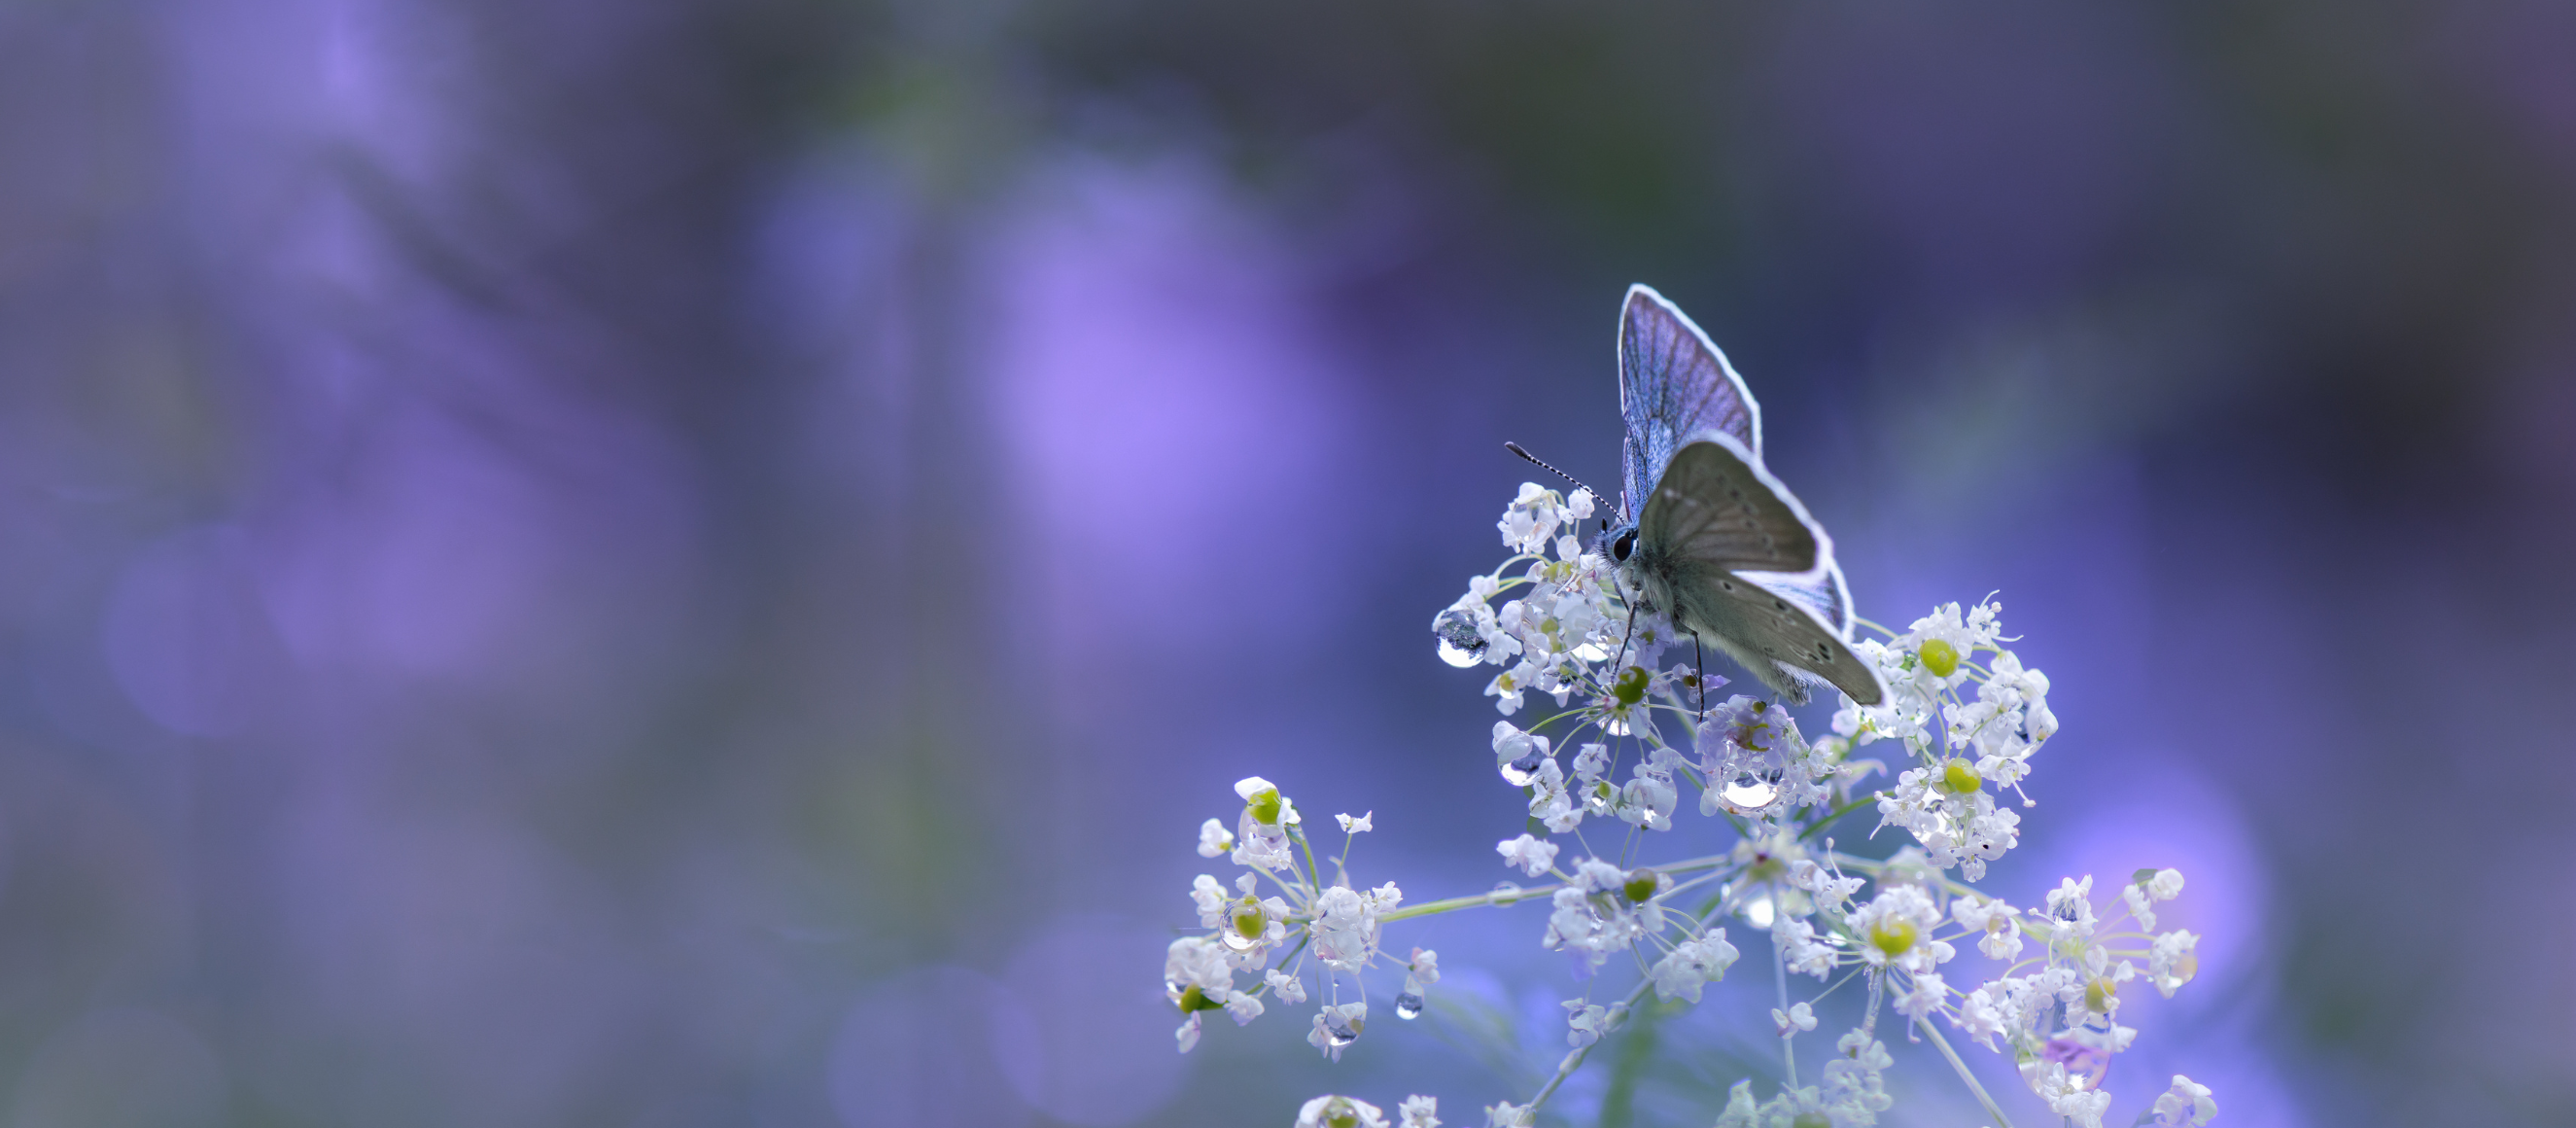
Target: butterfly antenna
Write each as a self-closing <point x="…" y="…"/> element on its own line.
<point x="1515" y="448"/>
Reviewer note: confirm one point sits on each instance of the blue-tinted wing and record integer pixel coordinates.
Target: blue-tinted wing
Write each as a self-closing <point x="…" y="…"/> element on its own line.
<point x="1825" y="594"/>
<point x="1672" y="384"/>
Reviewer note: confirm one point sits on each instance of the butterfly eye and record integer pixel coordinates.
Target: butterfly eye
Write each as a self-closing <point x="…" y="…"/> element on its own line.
<point x="1627" y="543"/>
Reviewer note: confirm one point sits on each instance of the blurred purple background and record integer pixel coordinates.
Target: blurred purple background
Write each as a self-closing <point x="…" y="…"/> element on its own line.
<point x="687" y="563"/>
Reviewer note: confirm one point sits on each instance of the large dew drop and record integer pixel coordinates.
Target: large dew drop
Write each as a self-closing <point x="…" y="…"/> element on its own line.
<point x="1520" y="772"/>
<point x="1408" y="1006"/>
<point x="1749" y="792"/>
<point x="1460" y="645"/>
<point x="1343" y="1032"/>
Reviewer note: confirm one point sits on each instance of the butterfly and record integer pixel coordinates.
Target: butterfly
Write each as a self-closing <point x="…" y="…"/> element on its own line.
<point x="1706" y="533"/>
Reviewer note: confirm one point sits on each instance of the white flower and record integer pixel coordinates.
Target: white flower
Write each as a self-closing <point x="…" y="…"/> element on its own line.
<point x="1196" y="961"/>
<point x="1740" y="1111"/>
<point x="1211" y="899"/>
<point x="1188" y="1034"/>
<point x="2165" y="885"/>
<point x="1853" y="1091"/>
<point x="1895" y="930"/>
<point x="1344" y="931"/>
<point x="1358" y="825"/>
<point x="1424" y="967"/>
<point x="1532" y="855"/>
<point x="1579" y="506"/>
<point x="1419" y="1111"/>
<point x="1583" y="1022"/>
<point x="2187" y="1103"/>
<point x="2071" y="908"/>
<point x="2067" y="1094"/>
<point x="1505" y="1114"/>
<point x="1799" y="1016"/>
<point x="1980" y="1014"/>
<point x="2002" y="939"/>
<point x="1244" y="1006"/>
<point x="1214" y="838"/>
<point x="2170" y="962"/>
<point x="1691" y="964"/>
<point x="1507" y="687"/>
<point x="1289" y="989"/>
<point x="1340" y="1112"/>
<point x="1927" y="995"/>
<point x="1592" y="875"/>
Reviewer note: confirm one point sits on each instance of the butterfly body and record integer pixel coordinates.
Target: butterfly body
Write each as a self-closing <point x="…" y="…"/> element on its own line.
<point x="1708" y="535"/>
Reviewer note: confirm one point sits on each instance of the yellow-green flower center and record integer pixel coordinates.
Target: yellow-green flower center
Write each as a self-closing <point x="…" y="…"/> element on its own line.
<point x="1960" y="776"/>
<point x="2098" y="994"/>
<point x="1811" y="1120"/>
<point x="1940" y="657"/>
<point x="1197" y="1000"/>
<point x="1248" y="921"/>
<point x="1631" y="686"/>
<point x="1640" y="886"/>
<point x="1264" y="805"/>
<point x="1892" y="935"/>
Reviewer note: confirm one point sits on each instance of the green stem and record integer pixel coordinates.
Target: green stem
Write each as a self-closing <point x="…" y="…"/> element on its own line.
<point x="1453" y="904"/>
<point x="2001" y="1121"/>
<point x="1574" y="1061"/>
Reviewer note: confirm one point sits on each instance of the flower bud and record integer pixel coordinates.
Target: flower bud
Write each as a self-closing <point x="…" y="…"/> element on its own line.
<point x="1940" y="657"/>
<point x="1640" y="885"/>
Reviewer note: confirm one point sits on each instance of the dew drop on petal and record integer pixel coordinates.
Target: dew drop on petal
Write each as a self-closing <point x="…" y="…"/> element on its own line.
<point x="1750" y="792"/>
<point x="1460" y="645"/>
<point x="1408" y="1006"/>
<point x="1520" y="772"/>
<point x="1237" y="940"/>
<point x="1505" y="893"/>
<point x="1342" y="1032"/>
<point x="1758" y="913"/>
<point x="1615" y="726"/>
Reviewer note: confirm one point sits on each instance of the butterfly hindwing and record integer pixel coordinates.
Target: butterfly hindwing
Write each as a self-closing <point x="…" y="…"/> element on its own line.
<point x="1673" y="384"/>
<point x="1778" y="638"/>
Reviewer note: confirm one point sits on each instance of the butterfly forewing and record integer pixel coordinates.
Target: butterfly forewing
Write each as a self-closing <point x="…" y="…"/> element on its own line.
<point x="1717" y="507"/>
<point x="1673" y="384"/>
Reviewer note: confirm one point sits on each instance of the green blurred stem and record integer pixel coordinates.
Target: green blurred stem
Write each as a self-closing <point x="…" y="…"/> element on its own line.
<point x="1453" y="904"/>
<point x="1574" y="1061"/>
<point x="2001" y="1121"/>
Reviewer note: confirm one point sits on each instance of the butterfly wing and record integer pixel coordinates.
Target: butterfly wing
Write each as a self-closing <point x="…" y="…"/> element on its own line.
<point x="1673" y="384"/>
<point x="1718" y="508"/>
<point x="1826" y="595"/>
<point x="1743" y="563"/>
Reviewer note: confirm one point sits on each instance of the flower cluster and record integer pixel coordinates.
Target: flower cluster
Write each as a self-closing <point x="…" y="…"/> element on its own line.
<point x="1637" y="742"/>
<point x="1273" y="939"/>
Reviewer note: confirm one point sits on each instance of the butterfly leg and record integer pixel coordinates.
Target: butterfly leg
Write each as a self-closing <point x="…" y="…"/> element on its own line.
<point x="1622" y="660"/>
<point x="1699" y="669"/>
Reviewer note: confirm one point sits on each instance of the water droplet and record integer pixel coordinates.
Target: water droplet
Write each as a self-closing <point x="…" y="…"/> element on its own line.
<point x="1408" y="1006"/>
<point x="1460" y="645"/>
<point x="1505" y="893"/>
<point x="1599" y="798"/>
<point x="1237" y="940"/>
<point x="1343" y="1032"/>
<point x="1749" y="792"/>
<point x="1615" y="726"/>
<point x="1591" y="652"/>
<point x="1758" y="913"/>
<point x="1520" y="772"/>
